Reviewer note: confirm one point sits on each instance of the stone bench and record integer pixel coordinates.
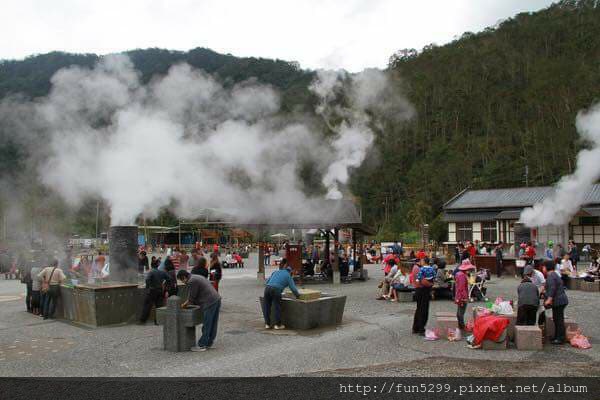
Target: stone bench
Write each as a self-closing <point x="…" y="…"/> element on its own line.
<point x="590" y="286"/>
<point x="405" y="297"/>
<point x="528" y="337"/>
<point x="569" y="324"/>
<point x="445" y="314"/>
<point x="575" y="284"/>
<point x="510" y="329"/>
<point x="179" y="324"/>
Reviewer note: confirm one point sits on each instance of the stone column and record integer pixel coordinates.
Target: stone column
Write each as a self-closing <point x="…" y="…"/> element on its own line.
<point x="564" y="236"/>
<point x="336" y="260"/>
<point x="123" y="258"/>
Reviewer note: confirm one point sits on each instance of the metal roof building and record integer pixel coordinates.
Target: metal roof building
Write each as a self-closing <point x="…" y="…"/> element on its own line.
<point x="489" y="215"/>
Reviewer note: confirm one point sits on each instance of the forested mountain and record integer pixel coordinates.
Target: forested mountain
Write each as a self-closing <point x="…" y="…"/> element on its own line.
<point x="32" y="75"/>
<point x="489" y="105"/>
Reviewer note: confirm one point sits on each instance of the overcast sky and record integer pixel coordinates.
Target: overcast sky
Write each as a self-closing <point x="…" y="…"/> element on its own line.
<point x="350" y="34"/>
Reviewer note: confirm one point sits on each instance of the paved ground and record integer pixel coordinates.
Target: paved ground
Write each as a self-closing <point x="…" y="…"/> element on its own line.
<point x="373" y="340"/>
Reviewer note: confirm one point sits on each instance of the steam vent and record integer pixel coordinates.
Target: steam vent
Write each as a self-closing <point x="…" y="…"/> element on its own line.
<point x="122" y="242"/>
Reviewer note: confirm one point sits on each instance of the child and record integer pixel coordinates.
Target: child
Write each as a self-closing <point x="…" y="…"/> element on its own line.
<point x="461" y="291"/>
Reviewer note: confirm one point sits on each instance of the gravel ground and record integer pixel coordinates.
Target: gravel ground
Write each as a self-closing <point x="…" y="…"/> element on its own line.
<point x="374" y="340"/>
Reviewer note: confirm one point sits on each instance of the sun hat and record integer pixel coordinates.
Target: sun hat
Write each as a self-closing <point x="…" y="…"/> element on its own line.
<point x="466" y="265"/>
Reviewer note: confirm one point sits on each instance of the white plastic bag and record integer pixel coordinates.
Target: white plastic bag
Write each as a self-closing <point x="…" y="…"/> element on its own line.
<point x="504" y="308"/>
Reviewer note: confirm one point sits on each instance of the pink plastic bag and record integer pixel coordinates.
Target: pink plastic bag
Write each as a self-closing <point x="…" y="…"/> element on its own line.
<point x="431" y="334"/>
<point x="581" y="342"/>
<point x="571" y="333"/>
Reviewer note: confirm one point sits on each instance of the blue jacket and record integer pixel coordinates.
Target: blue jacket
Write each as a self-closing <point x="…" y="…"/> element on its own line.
<point x="281" y="279"/>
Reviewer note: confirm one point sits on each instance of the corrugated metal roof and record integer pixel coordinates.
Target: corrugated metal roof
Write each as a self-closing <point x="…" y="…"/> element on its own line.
<point x="509" y="214"/>
<point x="315" y="214"/>
<point x="470" y="216"/>
<point x="514" y="197"/>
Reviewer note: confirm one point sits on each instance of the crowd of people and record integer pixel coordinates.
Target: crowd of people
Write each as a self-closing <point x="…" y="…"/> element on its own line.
<point x="542" y="287"/>
<point x="543" y="284"/>
<point x="43" y="288"/>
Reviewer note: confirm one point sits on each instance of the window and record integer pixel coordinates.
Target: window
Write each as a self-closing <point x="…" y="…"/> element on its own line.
<point x="464" y="231"/>
<point x="584" y="233"/>
<point x="589" y="220"/>
<point x="488" y="232"/>
<point x="451" y="232"/>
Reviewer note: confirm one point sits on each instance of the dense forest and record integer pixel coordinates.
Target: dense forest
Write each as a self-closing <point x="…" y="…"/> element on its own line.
<point x="493" y="109"/>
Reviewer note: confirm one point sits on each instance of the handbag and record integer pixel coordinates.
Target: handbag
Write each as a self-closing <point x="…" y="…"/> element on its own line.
<point x="46" y="283"/>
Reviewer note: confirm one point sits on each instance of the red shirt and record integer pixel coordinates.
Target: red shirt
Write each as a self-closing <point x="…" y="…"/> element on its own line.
<point x="530" y="252"/>
<point x="412" y="278"/>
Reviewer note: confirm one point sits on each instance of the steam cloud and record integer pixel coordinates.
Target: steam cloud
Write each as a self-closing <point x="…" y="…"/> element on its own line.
<point x="570" y="192"/>
<point x="187" y="142"/>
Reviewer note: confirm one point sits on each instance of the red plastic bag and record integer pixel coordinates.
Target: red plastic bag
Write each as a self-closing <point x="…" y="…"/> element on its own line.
<point x="581" y="342"/>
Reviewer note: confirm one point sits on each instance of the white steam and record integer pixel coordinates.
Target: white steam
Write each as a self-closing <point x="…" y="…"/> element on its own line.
<point x="570" y="192"/>
<point x="369" y="96"/>
<point x="187" y="142"/>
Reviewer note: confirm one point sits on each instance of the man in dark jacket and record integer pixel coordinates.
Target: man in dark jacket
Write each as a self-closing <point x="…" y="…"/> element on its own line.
<point x="156" y="280"/>
<point x="142" y="262"/>
<point x="556" y="298"/>
<point x="203" y="294"/>
<point x="499" y="258"/>
<point x="200" y="267"/>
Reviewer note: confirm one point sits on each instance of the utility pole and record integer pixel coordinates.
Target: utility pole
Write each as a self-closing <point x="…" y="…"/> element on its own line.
<point x="526" y="175"/>
<point x="97" y="216"/>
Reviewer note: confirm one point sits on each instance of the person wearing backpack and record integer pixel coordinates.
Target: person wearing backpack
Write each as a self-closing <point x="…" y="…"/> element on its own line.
<point x="51" y="277"/>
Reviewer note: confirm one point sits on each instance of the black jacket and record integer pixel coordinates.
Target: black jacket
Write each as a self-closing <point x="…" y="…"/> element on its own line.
<point x="198" y="270"/>
<point x="156" y="278"/>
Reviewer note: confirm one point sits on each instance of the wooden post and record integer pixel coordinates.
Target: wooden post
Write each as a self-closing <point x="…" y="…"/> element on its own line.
<point x="326" y="256"/>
